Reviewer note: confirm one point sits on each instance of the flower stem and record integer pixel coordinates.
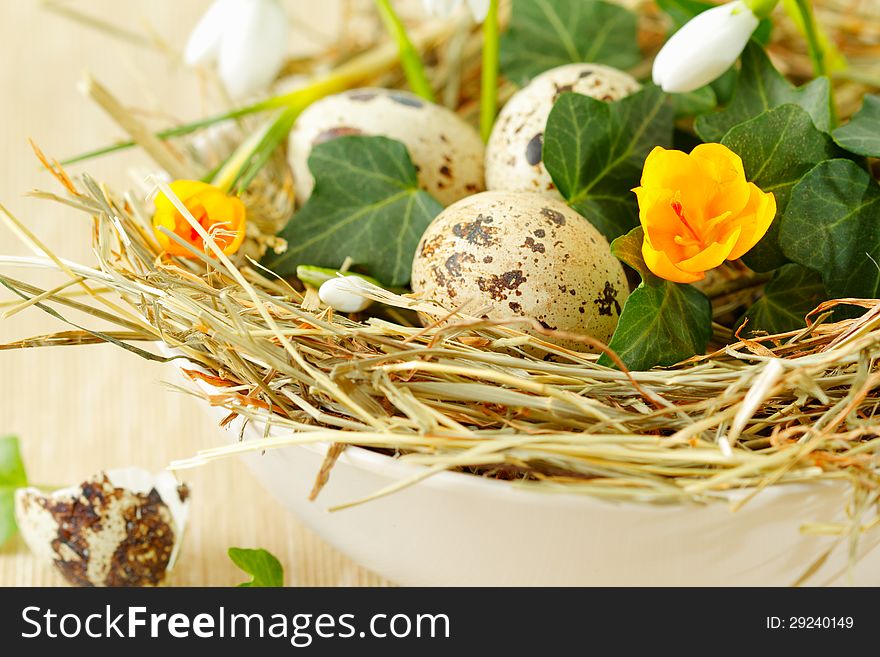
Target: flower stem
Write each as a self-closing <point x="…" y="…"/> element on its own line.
<point x="818" y="56"/>
<point x="489" y="88"/>
<point x="253" y="153"/>
<point x="410" y="59"/>
<point x="762" y="8"/>
<point x="811" y="32"/>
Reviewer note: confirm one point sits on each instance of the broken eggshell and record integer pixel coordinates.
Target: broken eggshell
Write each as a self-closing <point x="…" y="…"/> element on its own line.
<point x="447" y="151"/>
<point x="514" y="152"/>
<point x="516" y="254"/>
<point x="118" y="528"/>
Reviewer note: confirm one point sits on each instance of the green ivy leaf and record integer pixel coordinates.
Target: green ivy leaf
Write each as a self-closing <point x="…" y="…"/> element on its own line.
<point x="831" y="225"/>
<point x="263" y="566"/>
<point x="544" y="34"/>
<point x="366" y="205"/>
<point x="12" y="477"/>
<point x="662" y="323"/>
<point x="594" y="151"/>
<point x="862" y="134"/>
<point x="725" y="85"/>
<point x="761" y="87"/>
<point x="793" y="291"/>
<point x="628" y="249"/>
<point x="694" y="103"/>
<point x="777" y="148"/>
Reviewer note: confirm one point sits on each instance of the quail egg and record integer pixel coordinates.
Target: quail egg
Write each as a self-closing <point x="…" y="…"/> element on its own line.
<point x="514" y="152"/>
<point x="521" y="254"/>
<point x="447" y="152"/>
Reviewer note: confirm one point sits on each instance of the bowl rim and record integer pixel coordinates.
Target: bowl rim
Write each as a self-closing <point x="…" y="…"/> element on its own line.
<point x="386" y="466"/>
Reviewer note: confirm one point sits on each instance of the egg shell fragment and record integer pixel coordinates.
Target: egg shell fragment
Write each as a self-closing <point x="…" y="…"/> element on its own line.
<point x="514" y="152"/>
<point x="118" y="528"/>
<point x="519" y="254"/>
<point x="447" y="152"/>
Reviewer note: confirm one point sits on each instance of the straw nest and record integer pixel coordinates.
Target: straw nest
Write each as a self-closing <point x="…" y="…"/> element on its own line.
<point x="473" y="395"/>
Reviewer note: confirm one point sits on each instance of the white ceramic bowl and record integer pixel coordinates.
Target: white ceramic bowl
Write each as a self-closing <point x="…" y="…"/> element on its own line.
<point x="459" y="529"/>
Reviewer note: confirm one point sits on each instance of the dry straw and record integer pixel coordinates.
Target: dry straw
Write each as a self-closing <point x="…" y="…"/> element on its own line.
<point x="468" y="394"/>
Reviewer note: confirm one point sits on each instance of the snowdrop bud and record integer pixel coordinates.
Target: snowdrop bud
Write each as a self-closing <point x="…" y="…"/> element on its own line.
<point x="445" y="8"/>
<point x="246" y="38"/>
<point x="203" y="45"/>
<point x="342" y="294"/>
<point x="479" y="9"/>
<point x="254" y="48"/>
<point x="704" y="48"/>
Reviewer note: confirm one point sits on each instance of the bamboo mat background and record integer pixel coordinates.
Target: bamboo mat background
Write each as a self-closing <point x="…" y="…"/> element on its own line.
<point x="78" y="410"/>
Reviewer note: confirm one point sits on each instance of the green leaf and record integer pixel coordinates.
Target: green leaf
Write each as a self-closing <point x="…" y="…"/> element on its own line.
<point x="594" y="151"/>
<point x="366" y="205"/>
<point x="793" y="291"/>
<point x="777" y="148"/>
<point x="761" y="87"/>
<point x="544" y="34"/>
<point x="832" y="225"/>
<point x="694" y="103"/>
<point x="763" y="32"/>
<point x="862" y="134"/>
<point x="12" y="477"/>
<point x="662" y="323"/>
<point x="265" y="569"/>
<point x="628" y="249"/>
<point x="725" y="85"/>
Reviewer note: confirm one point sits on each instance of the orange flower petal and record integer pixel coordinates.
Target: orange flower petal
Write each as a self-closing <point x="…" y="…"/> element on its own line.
<point x="756" y="220"/>
<point x="718" y="161"/>
<point x="697" y="210"/>
<point x="658" y="219"/>
<point x="712" y="256"/>
<point x="679" y="174"/>
<point x="221" y="216"/>
<point x="660" y="265"/>
<point x="184" y="190"/>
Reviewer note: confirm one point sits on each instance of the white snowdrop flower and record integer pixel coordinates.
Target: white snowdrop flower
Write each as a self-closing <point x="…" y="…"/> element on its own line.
<point x="341" y="294"/>
<point x="704" y="48"/>
<point x="445" y="8"/>
<point x="247" y="39"/>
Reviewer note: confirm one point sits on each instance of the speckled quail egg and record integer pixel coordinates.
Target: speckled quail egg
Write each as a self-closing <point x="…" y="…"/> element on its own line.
<point x="118" y="528"/>
<point x="513" y="154"/>
<point x="447" y="152"/>
<point x="522" y="254"/>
